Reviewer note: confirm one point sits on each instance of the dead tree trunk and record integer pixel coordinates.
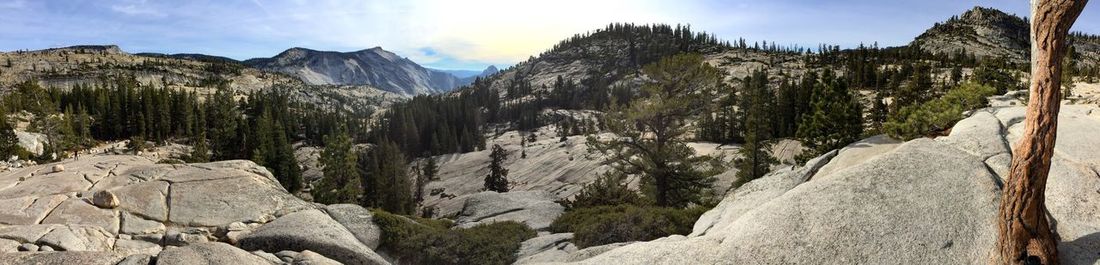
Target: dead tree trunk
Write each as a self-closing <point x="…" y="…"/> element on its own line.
<point x="1023" y="229"/>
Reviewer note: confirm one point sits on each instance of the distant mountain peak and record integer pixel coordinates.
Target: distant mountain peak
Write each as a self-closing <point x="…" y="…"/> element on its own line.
<point x="980" y="31"/>
<point x="492" y="69"/>
<point x="375" y="67"/>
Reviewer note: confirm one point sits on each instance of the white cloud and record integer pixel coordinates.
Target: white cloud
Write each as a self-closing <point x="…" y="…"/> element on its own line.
<point x="137" y="10"/>
<point x="488" y="31"/>
<point x="445" y="33"/>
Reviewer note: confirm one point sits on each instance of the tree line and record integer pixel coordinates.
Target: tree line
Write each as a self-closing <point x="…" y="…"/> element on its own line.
<point x="259" y="126"/>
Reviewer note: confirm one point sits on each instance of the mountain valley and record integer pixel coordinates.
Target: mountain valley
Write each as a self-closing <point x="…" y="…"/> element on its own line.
<point x="627" y="144"/>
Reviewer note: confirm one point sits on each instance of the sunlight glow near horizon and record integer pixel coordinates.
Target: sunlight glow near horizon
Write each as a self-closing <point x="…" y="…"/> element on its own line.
<point x="451" y="34"/>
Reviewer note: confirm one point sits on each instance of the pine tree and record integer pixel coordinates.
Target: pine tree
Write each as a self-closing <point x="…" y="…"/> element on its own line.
<point x="222" y="119"/>
<point x="650" y="131"/>
<point x="341" y="181"/>
<point x="523" y="147"/>
<point x="609" y="189"/>
<point x="1024" y="233"/>
<point x="755" y="160"/>
<point x="9" y="143"/>
<point x="263" y="138"/>
<point x="757" y="113"/>
<point x="200" y="150"/>
<point x="1069" y="70"/>
<point x="879" y="111"/>
<point x="284" y="161"/>
<point x="497" y="180"/>
<point x="273" y="150"/>
<point x="82" y="127"/>
<point x="956" y="74"/>
<point x="916" y="90"/>
<point x="757" y="107"/>
<point x="786" y="109"/>
<point x="431" y="169"/>
<point x="387" y="178"/>
<point x="835" y="121"/>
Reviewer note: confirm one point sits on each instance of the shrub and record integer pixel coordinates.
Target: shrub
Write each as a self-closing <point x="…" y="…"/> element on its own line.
<point x="994" y="73"/>
<point x="494" y="243"/>
<point x="426" y="241"/>
<point x="936" y="116"/>
<point x="624" y="223"/>
<point x="607" y="190"/>
<point x="136" y="144"/>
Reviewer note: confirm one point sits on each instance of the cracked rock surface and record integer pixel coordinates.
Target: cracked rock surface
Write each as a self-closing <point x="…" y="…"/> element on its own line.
<point x="174" y="214"/>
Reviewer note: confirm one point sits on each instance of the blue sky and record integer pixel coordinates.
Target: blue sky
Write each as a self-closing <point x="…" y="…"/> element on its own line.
<point x="451" y="34"/>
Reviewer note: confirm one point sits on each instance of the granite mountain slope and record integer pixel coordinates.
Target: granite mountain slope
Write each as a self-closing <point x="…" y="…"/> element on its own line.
<point x="375" y="67"/>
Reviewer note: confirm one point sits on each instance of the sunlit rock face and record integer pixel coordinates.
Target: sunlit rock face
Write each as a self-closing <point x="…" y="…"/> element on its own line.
<point x="102" y="209"/>
<point x="926" y="201"/>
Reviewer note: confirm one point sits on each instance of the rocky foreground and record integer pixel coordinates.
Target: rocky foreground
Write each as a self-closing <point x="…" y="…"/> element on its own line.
<point x="127" y="209"/>
<point x="878" y="201"/>
<point x="926" y="201"/>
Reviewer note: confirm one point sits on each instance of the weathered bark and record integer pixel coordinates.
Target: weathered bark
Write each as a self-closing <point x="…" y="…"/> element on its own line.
<point x="1024" y="231"/>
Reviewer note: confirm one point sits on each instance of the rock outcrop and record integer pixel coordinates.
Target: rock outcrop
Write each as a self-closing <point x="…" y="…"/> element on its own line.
<point x="926" y="201"/>
<point x="209" y="253"/>
<point x="536" y="209"/>
<point x="104" y="209"/>
<point x="35" y="143"/>
<point x="311" y="230"/>
<point x="358" y="221"/>
<point x="561" y="168"/>
<point x="987" y="32"/>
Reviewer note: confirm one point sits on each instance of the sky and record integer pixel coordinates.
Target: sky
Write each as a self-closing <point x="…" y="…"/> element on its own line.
<point x="459" y="34"/>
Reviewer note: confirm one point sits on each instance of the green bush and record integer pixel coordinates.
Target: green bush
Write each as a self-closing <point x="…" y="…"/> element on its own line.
<point x="494" y="243"/>
<point x="624" y="223"/>
<point x="608" y="190"/>
<point x="136" y="144"/>
<point x="936" y="116"/>
<point x="996" y="73"/>
<point x="427" y="241"/>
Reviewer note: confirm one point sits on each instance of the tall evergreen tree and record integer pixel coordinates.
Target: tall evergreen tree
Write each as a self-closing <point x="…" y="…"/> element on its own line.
<point x="1069" y="71"/>
<point x="273" y="150"/>
<point x="787" y="109"/>
<point x="917" y="89"/>
<point x="222" y="117"/>
<point x="649" y="131"/>
<point x="387" y="178"/>
<point x="431" y="169"/>
<point x="836" y="119"/>
<point x="757" y="113"/>
<point x="284" y="161"/>
<point x="497" y="180"/>
<point x="341" y="181"/>
<point x="9" y="143"/>
<point x="200" y="150"/>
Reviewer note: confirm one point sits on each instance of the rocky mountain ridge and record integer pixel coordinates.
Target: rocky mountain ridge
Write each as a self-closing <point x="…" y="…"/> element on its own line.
<point x="98" y="65"/>
<point x="988" y="32"/>
<point x="375" y="67"/>
<point x="984" y="32"/>
<point x="980" y="32"/>
<point x="91" y="65"/>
